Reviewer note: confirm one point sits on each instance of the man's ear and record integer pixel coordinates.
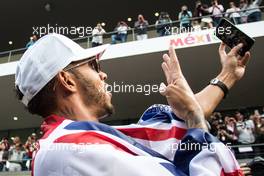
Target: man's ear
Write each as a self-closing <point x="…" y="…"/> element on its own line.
<point x="67" y="81"/>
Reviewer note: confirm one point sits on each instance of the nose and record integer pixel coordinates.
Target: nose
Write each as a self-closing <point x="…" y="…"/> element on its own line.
<point x="103" y="75"/>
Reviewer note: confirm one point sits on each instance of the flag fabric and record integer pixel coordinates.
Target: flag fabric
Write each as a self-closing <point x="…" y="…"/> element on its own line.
<point x="158" y="145"/>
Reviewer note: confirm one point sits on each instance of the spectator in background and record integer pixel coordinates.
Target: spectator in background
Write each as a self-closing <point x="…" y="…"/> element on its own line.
<point x="4" y="149"/>
<point x="32" y="40"/>
<point x="216" y="10"/>
<point x="243" y="11"/>
<point x="230" y="123"/>
<point x="260" y="130"/>
<point x="16" y="140"/>
<point x="16" y="155"/>
<point x="201" y="11"/>
<point x="163" y="24"/>
<point x="226" y="130"/>
<point x="185" y="19"/>
<point x="97" y="34"/>
<point x="33" y="137"/>
<point x="245" y="129"/>
<point x="233" y="13"/>
<point x="215" y="120"/>
<point x="121" y="33"/>
<point x="29" y="147"/>
<point x="141" y="28"/>
<point x="5" y="144"/>
<point x="253" y="11"/>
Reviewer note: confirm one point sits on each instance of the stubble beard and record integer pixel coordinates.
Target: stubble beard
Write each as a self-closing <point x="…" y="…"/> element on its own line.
<point x="95" y="97"/>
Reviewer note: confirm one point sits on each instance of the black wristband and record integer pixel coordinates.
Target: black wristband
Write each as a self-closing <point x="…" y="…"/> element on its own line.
<point x="221" y="85"/>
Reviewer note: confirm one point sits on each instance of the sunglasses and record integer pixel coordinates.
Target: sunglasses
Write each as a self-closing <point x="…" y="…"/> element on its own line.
<point x="92" y="63"/>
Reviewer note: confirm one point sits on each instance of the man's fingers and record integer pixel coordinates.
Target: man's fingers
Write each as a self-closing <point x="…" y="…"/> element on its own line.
<point x="172" y="53"/>
<point x="166" y="71"/>
<point x="162" y="89"/>
<point x="174" y="58"/>
<point x="222" y="49"/>
<point x="243" y="165"/>
<point x="245" y="59"/>
<point x="167" y="60"/>
<point x="235" y="50"/>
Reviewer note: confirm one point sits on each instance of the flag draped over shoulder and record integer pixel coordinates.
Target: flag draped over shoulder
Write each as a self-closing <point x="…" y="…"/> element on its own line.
<point x="158" y="145"/>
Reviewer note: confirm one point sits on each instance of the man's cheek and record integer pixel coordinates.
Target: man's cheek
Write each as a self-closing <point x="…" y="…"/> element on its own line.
<point x="101" y="87"/>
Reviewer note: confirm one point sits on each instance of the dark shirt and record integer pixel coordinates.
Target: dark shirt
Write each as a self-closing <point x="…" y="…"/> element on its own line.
<point x="141" y="27"/>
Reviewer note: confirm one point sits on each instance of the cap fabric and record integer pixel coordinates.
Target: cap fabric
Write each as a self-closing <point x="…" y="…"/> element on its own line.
<point x="47" y="57"/>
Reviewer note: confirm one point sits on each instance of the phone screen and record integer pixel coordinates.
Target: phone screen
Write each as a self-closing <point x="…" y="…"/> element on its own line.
<point x="232" y="36"/>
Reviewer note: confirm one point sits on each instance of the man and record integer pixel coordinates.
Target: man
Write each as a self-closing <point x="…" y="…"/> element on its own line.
<point x="121" y="32"/>
<point x="185" y="19"/>
<point x="141" y="27"/>
<point x="63" y="83"/>
<point x="32" y="40"/>
<point x="253" y="11"/>
<point x="216" y="10"/>
<point x="97" y="34"/>
<point x="163" y="24"/>
<point x="233" y="13"/>
<point x="245" y="129"/>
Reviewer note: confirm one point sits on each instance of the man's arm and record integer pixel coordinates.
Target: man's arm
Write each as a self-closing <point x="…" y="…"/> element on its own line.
<point x="193" y="108"/>
<point x="233" y="69"/>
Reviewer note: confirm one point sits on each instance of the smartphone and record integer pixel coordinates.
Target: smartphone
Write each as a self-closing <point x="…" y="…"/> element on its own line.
<point x="232" y="36"/>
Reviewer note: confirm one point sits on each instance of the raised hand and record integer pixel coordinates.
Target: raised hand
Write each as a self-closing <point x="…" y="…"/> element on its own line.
<point x="179" y="94"/>
<point x="233" y="64"/>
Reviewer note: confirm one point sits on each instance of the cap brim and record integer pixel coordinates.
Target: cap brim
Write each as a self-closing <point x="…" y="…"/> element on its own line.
<point x="91" y="52"/>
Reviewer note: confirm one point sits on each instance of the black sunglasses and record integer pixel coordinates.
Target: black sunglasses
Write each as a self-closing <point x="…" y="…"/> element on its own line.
<point x="93" y="63"/>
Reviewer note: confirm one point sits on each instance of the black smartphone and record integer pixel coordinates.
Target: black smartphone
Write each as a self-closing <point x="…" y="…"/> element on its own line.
<point x="232" y="36"/>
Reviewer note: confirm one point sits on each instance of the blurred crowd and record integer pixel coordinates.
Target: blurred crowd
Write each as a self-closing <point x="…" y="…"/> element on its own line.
<point x="17" y="156"/>
<point x="204" y="16"/>
<point x="239" y="127"/>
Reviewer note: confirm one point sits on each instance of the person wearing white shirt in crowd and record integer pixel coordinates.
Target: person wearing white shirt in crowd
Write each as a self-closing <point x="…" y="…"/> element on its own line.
<point x="233" y="13"/>
<point x="243" y="12"/>
<point x="245" y="129"/>
<point x="15" y="158"/>
<point x="216" y="10"/>
<point x="97" y="34"/>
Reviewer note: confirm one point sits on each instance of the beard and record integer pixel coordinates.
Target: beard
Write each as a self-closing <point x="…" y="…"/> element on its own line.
<point x="95" y="97"/>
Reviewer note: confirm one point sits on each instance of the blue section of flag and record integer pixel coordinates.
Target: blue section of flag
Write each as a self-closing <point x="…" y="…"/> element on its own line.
<point x="158" y="113"/>
<point x="190" y="146"/>
<point x="174" y="170"/>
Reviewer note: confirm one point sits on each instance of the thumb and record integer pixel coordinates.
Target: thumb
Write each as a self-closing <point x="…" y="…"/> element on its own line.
<point x="162" y="89"/>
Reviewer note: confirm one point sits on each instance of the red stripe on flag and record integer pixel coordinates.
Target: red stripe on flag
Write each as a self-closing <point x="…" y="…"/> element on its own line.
<point x="88" y="138"/>
<point x="154" y="134"/>
<point x="50" y="124"/>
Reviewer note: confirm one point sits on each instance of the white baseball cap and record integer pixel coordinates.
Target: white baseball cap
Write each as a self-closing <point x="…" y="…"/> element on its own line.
<point x="45" y="59"/>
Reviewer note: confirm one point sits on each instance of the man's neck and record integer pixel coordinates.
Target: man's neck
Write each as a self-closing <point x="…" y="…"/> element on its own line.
<point x="77" y="112"/>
